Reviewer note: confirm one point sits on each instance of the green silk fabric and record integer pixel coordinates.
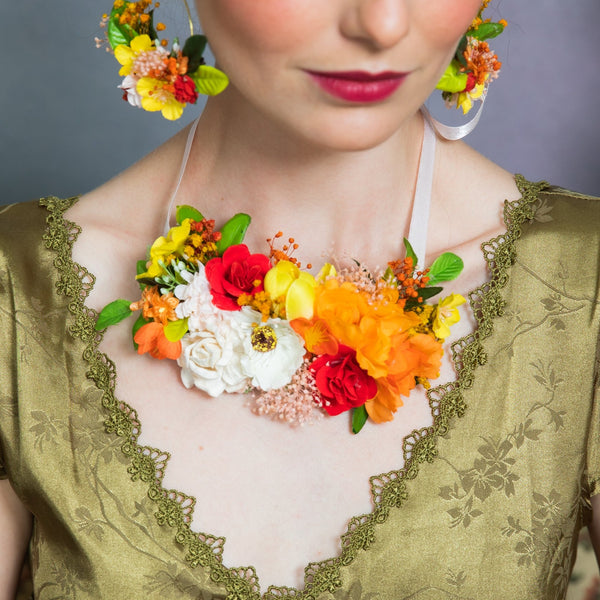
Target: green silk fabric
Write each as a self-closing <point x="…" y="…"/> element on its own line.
<point x="488" y="504"/>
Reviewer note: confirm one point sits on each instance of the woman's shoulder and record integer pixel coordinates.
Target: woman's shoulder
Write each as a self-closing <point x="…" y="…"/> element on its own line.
<point x="480" y="185"/>
<point x="136" y="195"/>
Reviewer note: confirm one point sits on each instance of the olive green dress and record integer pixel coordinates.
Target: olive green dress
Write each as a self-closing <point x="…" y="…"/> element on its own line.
<point x="488" y="505"/>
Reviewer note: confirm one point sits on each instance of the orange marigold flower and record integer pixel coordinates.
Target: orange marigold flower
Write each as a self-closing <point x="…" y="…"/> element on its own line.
<point x="159" y="308"/>
<point x="151" y="339"/>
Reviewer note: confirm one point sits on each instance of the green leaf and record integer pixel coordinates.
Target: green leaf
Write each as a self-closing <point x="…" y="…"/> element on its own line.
<point x="429" y="292"/>
<point x="359" y="418"/>
<point x="233" y="232"/>
<point x="175" y="330"/>
<point x="146" y="282"/>
<point x="209" y="81"/>
<point x="119" y="34"/>
<point x="410" y="252"/>
<point x="487" y="31"/>
<point x="185" y="211"/>
<point x="446" y="267"/>
<point x="452" y="81"/>
<point x="140" y="267"/>
<point x="113" y="313"/>
<point x="425" y="293"/>
<point x="389" y="276"/>
<point x="140" y="322"/>
<point x="194" y="49"/>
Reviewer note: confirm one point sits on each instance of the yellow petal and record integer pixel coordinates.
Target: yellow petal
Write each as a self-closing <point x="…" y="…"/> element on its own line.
<point x="328" y="270"/>
<point x="172" y="243"/>
<point x="279" y="278"/>
<point x="307" y="277"/>
<point x="452" y="301"/>
<point x="172" y="110"/>
<point x="300" y="300"/>
<point x="125" y="55"/>
<point x="477" y="91"/>
<point x="141" y="43"/>
<point x="151" y="104"/>
<point x="180" y="233"/>
<point x="464" y="101"/>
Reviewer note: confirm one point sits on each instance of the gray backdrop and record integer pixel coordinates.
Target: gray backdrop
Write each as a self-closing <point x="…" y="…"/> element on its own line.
<point x="64" y="129"/>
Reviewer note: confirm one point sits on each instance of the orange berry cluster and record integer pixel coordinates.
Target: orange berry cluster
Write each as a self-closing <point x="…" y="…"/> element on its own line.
<point x="286" y="250"/>
<point x="409" y="282"/>
<point x="135" y="15"/>
<point x="481" y="62"/>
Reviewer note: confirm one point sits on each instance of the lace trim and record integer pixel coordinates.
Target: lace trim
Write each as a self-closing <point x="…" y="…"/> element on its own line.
<point x="388" y="490"/>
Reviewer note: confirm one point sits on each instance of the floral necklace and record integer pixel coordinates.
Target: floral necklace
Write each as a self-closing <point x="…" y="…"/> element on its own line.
<point x="301" y="345"/>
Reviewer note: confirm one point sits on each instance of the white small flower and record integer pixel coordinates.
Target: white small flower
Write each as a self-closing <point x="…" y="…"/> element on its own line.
<point x="272" y="351"/>
<point x="196" y="301"/>
<point x="129" y="86"/>
<point x="211" y="360"/>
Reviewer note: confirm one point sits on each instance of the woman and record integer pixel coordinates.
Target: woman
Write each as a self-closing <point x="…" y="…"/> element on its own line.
<point x="497" y="478"/>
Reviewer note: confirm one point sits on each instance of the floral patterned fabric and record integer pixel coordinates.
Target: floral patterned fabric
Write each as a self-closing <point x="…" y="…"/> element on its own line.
<point x="489" y="502"/>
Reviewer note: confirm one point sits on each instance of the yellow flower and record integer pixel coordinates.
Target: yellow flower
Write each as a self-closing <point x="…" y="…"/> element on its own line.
<point x="159" y="95"/>
<point x="163" y="247"/>
<point x="127" y="54"/>
<point x="287" y="284"/>
<point x="446" y="314"/>
<point x="328" y="270"/>
<point x="464" y="100"/>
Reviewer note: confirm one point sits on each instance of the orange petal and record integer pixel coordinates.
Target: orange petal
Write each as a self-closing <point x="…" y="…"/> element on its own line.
<point x="151" y="339"/>
<point x="386" y="402"/>
<point x="316" y="335"/>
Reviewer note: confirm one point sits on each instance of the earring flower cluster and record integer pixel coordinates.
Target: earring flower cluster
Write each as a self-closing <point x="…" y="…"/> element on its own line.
<point x="474" y="65"/>
<point x="157" y="78"/>
<point x="343" y="341"/>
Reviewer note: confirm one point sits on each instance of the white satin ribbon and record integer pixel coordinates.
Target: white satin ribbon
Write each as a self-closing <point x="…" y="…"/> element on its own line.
<point x="458" y="132"/>
<point x="419" y="221"/>
<point x="184" y="162"/>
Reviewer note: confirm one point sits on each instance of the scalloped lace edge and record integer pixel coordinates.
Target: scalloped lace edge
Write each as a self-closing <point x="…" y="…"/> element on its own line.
<point x="388" y="489"/>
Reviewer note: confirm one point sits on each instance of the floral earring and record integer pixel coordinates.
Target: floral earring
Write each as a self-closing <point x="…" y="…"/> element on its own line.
<point x="474" y="65"/>
<point x="157" y="78"/>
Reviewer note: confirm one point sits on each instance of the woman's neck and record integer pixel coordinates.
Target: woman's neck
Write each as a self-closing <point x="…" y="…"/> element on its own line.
<point x="287" y="184"/>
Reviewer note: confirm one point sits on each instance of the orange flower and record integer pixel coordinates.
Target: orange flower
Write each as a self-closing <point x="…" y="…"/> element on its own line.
<point x="429" y="352"/>
<point x="386" y="402"/>
<point x="340" y="304"/>
<point x="156" y="307"/>
<point x="316" y="335"/>
<point x="416" y="356"/>
<point x="362" y="323"/>
<point x="151" y="338"/>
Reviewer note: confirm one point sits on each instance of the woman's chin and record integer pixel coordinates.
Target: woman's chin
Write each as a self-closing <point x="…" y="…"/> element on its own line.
<point x="350" y="133"/>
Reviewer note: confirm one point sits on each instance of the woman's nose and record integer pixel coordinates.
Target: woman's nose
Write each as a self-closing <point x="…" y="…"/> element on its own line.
<point x="380" y="23"/>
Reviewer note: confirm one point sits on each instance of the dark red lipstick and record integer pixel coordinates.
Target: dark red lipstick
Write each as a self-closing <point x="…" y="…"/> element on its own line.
<point x="359" y="86"/>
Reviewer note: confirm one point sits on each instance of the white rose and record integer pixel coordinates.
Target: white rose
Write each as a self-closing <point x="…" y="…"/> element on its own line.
<point x="210" y="360"/>
<point x="196" y="301"/>
<point x="272" y="351"/>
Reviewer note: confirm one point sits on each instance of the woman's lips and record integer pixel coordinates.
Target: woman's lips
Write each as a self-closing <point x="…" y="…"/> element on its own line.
<point x="359" y="86"/>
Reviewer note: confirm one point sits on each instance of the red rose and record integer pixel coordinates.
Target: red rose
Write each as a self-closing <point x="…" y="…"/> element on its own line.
<point x="341" y="382"/>
<point x="185" y="90"/>
<point x="237" y="272"/>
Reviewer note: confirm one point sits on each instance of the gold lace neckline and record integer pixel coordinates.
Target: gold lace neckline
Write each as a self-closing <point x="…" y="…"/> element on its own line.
<point x="388" y="490"/>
